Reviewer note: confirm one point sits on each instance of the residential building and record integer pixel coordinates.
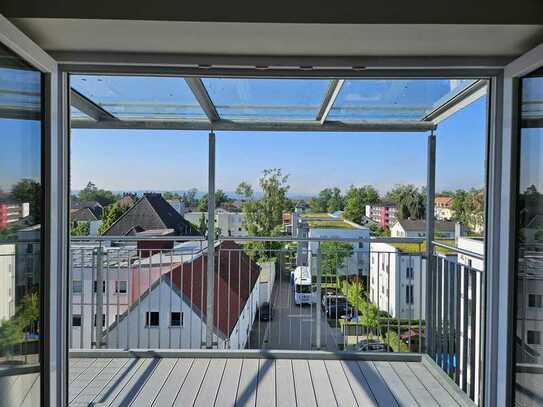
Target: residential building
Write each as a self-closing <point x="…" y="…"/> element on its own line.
<point x="417" y="228"/>
<point x="384" y="213"/>
<point x="231" y="224"/>
<point x="168" y="294"/>
<point x="151" y="212"/>
<point x="7" y="282"/>
<point x="12" y="212"/>
<point x="178" y="205"/>
<point x="443" y="207"/>
<point x="330" y="227"/>
<point x="397" y="279"/>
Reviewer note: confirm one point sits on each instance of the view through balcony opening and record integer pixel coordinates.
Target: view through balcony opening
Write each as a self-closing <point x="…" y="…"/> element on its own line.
<point x="320" y="237"/>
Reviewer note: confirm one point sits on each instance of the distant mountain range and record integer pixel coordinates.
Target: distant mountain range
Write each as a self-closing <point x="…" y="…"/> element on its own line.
<point x="199" y="194"/>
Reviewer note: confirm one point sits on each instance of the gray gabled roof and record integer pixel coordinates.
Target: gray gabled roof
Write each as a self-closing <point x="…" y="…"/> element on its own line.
<point x="410" y="225"/>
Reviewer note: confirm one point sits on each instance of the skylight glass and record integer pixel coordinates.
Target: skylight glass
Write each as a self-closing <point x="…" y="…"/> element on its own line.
<point x="75" y="113"/>
<point x="140" y="97"/>
<point x="532" y="99"/>
<point x="266" y="99"/>
<point x="20" y="92"/>
<point x="392" y="100"/>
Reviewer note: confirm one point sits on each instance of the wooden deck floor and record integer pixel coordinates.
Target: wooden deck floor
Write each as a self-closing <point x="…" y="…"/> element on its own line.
<point x="208" y="382"/>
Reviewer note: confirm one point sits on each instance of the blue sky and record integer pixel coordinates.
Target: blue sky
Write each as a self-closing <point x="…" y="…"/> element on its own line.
<point x="177" y="160"/>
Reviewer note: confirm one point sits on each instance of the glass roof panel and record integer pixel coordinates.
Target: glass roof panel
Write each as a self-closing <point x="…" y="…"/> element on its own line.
<point x="532" y="99"/>
<point x="75" y="113"/>
<point x="20" y="92"/>
<point x="393" y="99"/>
<point x="266" y="99"/>
<point x="140" y="97"/>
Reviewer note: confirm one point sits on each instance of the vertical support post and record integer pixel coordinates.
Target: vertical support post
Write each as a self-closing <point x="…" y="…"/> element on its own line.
<point x="99" y="297"/>
<point x="319" y="281"/>
<point x="210" y="241"/>
<point x="430" y="196"/>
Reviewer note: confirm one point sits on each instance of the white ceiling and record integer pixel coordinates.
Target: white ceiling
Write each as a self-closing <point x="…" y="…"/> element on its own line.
<point x="281" y="38"/>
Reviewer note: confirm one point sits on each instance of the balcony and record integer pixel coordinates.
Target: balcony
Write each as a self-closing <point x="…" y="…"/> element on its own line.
<point x="159" y="346"/>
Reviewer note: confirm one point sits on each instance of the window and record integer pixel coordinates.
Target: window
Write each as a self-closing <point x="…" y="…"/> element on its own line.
<point x="121" y="287"/>
<point x="176" y="319"/>
<point x="534" y="338"/>
<point x="535" y="300"/>
<point x="103" y="320"/>
<point x="409" y="273"/>
<point x="103" y="286"/>
<point x="360" y="245"/>
<point x="76" y="320"/>
<point x="409" y="294"/>
<point x="77" y="286"/>
<point x="152" y="319"/>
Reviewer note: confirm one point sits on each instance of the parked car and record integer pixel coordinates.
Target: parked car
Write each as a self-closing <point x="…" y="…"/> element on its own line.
<point x="333" y="299"/>
<point x="339" y="310"/>
<point x="265" y="312"/>
<point x="374" y="347"/>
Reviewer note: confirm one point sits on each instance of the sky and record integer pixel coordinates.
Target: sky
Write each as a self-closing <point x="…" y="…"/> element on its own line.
<point x="177" y="160"/>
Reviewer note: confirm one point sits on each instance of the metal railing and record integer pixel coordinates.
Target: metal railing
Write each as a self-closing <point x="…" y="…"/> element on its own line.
<point x="363" y="295"/>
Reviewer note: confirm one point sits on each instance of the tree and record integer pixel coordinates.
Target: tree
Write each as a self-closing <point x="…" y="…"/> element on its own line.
<point x="28" y="190"/>
<point x="328" y="200"/>
<point x="220" y="199"/>
<point x="170" y="195"/>
<point x="356" y="200"/>
<point x="468" y="208"/>
<point x="189" y="198"/>
<point x="369" y="317"/>
<point x="409" y="200"/>
<point x="202" y="225"/>
<point x="245" y="190"/>
<point x="111" y="214"/>
<point x="81" y="229"/>
<point x="92" y="193"/>
<point x="333" y="255"/>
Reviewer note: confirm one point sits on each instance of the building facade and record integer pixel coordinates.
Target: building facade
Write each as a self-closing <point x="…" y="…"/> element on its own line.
<point x="384" y="213"/>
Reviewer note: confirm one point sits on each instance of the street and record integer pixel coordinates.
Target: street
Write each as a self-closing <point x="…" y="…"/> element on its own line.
<point x="293" y="327"/>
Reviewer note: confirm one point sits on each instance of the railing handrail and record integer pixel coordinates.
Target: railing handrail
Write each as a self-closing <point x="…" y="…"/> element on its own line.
<point x="458" y="250"/>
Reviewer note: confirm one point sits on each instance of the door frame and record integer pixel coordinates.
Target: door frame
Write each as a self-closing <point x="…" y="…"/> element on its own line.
<point x="53" y="355"/>
<point x="504" y="246"/>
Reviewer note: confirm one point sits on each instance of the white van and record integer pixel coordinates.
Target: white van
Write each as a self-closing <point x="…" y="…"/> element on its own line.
<point x="302" y="286"/>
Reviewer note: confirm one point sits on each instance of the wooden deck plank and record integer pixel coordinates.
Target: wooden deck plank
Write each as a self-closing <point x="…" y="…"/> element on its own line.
<point x="340" y="385"/>
<point x="395" y="384"/>
<point x="284" y="383"/>
<point x="248" y="382"/>
<point x="173" y="383"/>
<point x="321" y="383"/>
<point x="189" y="390"/>
<point x="226" y="396"/>
<point x="358" y="383"/>
<point x="432" y="385"/>
<point x="210" y="385"/>
<point x="420" y="393"/>
<point x="98" y="384"/>
<point x="305" y="395"/>
<point x="133" y="386"/>
<point x="152" y="387"/>
<point x="266" y="383"/>
<point x="378" y="387"/>
<point x="117" y="383"/>
<point x="107" y="383"/>
<point x="86" y="378"/>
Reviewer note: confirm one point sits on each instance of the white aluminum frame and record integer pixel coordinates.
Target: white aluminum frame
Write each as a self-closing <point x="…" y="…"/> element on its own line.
<point x="54" y="228"/>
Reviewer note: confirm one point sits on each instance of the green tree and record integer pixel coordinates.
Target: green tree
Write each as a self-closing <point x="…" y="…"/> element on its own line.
<point x="80" y="229"/>
<point x="409" y="200"/>
<point x="170" y="195"/>
<point x="369" y="317"/>
<point x="92" y="193"/>
<point x="189" y="198"/>
<point x="220" y="199"/>
<point x="356" y="200"/>
<point x="111" y="214"/>
<point x="328" y="200"/>
<point x="202" y="225"/>
<point x="469" y="207"/>
<point x="245" y="190"/>
<point x="28" y="190"/>
<point x="333" y="255"/>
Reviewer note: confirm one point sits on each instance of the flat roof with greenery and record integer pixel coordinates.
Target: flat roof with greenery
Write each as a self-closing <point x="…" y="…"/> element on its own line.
<point x="421" y="247"/>
<point x="330" y="224"/>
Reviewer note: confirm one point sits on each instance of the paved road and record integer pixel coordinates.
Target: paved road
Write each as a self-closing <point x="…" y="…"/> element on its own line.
<point x="293" y="327"/>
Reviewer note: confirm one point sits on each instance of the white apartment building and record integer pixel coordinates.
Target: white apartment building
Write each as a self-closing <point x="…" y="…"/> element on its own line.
<point x="397" y="280"/>
<point x="230" y="223"/>
<point x="443" y="208"/>
<point x="417" y="228"/>
<point x="7" y="281"/>
<point x="358" y="262"/>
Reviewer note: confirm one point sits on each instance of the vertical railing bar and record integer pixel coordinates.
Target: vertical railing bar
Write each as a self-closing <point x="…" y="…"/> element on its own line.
<point x="203" y="343"/>
<point x="82" y="298"/>
<point x="160" y="316"/>
<point x="118" y="294"/>
<point x="388" y="300"/>
<point x="218" y="265"/>
<point x="445" y="319"/>
<point x="130" y="278"/>
<point x="457" y="313"/>
<point x="170" y="308"/>
<point x="93" y="310"/>
<point x="108" y="293"/>
<point x="192" y="289"/>
<point x="397" y="283"/>
<point x="439" y="310"/>
<point x="481" y="333"/>
<point x="411" y="299"/>
<point x="239" y="299"/>
<point x="472" y="361"/>
<point x="421" y="285"/>
<point x="181" y="298"/>
<point x="464" y="328"/>
<point x="71" y="274"/>
<point x="140" y="281"/>
<point x="228" y="305"/>
<point x="378" y="296"/>
<point x="451" y="317"/>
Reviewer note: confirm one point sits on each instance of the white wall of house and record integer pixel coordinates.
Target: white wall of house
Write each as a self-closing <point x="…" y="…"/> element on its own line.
<point x="358" y="263"/>
<point x="7" y="281"/>
<point x="398" y="231"/>
<point x="230" y="223"/>
<point x="443" y="213"/>
<point x="392" y="274"/>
